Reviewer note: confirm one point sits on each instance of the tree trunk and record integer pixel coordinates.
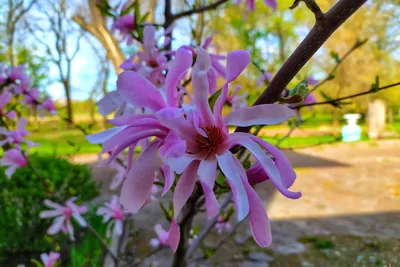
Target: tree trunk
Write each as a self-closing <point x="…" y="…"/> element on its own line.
<point x="67" y="89"/>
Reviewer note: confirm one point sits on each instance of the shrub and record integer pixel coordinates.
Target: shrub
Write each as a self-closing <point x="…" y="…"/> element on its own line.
<point x="22" y="232"/>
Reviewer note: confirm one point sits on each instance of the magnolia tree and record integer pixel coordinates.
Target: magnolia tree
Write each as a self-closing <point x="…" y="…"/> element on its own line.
<point x="171" y="133"/>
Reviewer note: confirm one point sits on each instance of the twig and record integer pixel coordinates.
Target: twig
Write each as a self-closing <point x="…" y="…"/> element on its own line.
<point x="289" y="133"/>
<point x="198" y="10"/>
<point x="321" y="31"/>
<point x="312" y="5"/>
<point x="145" y="256"/>
<point x="204" y="232"/>
<point x="103" y="243"/>
<point x="338" y="63"/>
<point x="336" y="101"/>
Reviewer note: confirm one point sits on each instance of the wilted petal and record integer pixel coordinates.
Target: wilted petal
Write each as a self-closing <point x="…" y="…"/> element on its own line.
<point x="267" y="114"/>
<point x="139" y="180"/>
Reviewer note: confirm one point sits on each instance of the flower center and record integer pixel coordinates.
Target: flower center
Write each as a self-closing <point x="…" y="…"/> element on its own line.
<point x="68" y="212"/>
<point x="212" y="142"/>
<point x="152" y="63"/>
<point x="118" y="215"/>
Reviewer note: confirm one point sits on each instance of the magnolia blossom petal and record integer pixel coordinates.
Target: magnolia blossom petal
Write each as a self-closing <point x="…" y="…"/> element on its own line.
<point x="79" y="219"/>
<point x="178" y="165"/>
<point x="149" y="41"/>
<point x="259" y="223"/>
<point x="109" y="103"/>
<point x="118" y="227"/>
<point x="271" y="3"/>
<point x="207" y="173"/>
<point x="139" y="180"/>
<point x="228" y="164"/>
<point x="139" y="91"/>
<point x="173" y="119"/>
<point x="265" y="161"/>
<point x="212" y="81"/>
<point x="201" y="85"/>
<point x="184" y="187"/>
<point x="56" y="225"/>
<point x="168" y="178"/>
<point x="50" y="213"/>
<point x="177" y="69"/>
<point x="10" y="170"/>
<point x="52" y="204"/>
<point x="236" y="62"/>
<point x="267" y="114"/>
<point x="174" y="235"/>
<point x="105" y="135"/>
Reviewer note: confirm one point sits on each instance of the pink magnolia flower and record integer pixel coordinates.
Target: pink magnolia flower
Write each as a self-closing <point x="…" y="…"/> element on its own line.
<point x="125" y="25"/>
<point x="267" y="76"/>
<point x="208" y="141"/>
<point x="130" y="130"/>
<point x="237" y="101"/>
<point x="49" y="260"/>
<point x="112" y="211"/>
<point x="62" y="215"/>
<point x="32" y="97"/>
<point x="152" y="61"/>
<point x="14" y="159"/>
<point x="250" y="4"/>
<point x="48" y="105"/>
<point x="17" y="75"/>
<point x="222" y="225"/>
<point x="5" y="97"/>
<point x="162" y="237"/>
<point x="15" y="136"/>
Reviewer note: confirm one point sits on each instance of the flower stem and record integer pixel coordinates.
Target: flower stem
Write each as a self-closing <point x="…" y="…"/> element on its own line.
<point x="103" y="243"/>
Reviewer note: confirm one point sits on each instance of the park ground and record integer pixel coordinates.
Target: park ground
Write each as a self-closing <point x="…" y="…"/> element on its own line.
<point x="349" y="214"/>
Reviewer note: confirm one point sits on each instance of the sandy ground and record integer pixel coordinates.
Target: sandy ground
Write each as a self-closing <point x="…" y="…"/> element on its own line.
<point x="348" y="189"/>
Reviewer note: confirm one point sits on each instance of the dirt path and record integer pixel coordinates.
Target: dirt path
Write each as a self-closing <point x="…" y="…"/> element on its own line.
<point x="349" y="190"/>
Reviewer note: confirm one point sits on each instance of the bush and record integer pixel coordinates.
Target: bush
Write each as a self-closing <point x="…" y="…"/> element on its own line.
<point x="22" y="232"/>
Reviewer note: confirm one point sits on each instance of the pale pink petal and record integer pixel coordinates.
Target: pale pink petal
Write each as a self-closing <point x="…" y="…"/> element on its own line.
<point x="212" y="204"/>
<point x="52" y="204"/>
<point x="129" y="119"/>
<point x="56" y="225"/>
<point x="139" y="91"/>
<point x="50" y="213"/>
<point x="174" y="235"/>
<point x="207" y="173"/>
<point x="201" y="86"/>
<point x="267" y="114"/>
<point x="173" y="146"/>
<point x="178" y="165"/>
<point x="259" y="223"/>
<point x="149" y="41"/>
<point x="21" y="124"/>
<point x="173" y="119"/>
<point x="139" y="180"/>
<point x="177" y="69"/>
<point x="79" y="219"/>
<point x="45" y="259"/>
<point x="168" y="177"/>
<point x="5" y="97"/>
<point x="236" y="62"/>
<point x="105" y="135"/>
<point x="10" y="170"/>
<point x="184" y="187"/>
<point x="118" y="228"/>
<point x="229" y="166"/>
<point x="265" y="161"/>
<point x="212" y="81"/>
<point x="109" y="103"/>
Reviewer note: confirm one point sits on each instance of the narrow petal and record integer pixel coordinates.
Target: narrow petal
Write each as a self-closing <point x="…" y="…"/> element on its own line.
<point x="259" y="223"/>
<point x="52" y="204"/>
<point x="139" y="91"/>
<point x="56" y="225"/>
<point x="201" y="86"/>
<point x="149" y="40"/>
<point x="208" y="171"/>
<point x="173" y="119"/>
<point x="212" y="204"/>
<point x="174" y="235"/>
<point x="184" y="187"/>
<point x="212" y="81"/>
<point x="109" y="103"/>
<point x="168" y="177"/>
<point x="178" y="165"/>
<point x="228" y="164"/>
<point x="265" y="161"/>
<point x="267" y="114"/>
<point x="271" y="3"/>
<point x="124" y="120"/>
<point x="50" y="213"/>
<point x="79" y="219"/>
<point x="256" y="174"/>
<point x="236" y="62"/>
<point x="118" y="228"/>
<point x="139" y="180"/>
<point x="103" y="136"/>
<point x="178" y="67"/>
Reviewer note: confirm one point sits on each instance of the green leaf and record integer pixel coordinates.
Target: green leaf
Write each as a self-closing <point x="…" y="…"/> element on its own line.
<point x="300" y="89"/>
<point x="375" y="85"/>
<point x="335" y="56"/>
<point x="326" y="97"/>
<point x="129" y="8"/>
<point x="144" y="17"/>
<point x="37" y="263"/>
<point x="213" y="99"/>
<point x="167" y="212"/>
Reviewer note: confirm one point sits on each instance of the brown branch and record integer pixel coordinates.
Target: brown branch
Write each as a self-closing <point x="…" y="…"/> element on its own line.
<point x="335" y="102"/>
<point x="321" y="31"/>
<point x="312" y="5"/>
<point x="103" y="243"/>
<point x="198" y="10"/>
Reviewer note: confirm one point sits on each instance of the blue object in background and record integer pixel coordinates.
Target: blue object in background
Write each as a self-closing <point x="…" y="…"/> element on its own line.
<point x="351" y="132"/>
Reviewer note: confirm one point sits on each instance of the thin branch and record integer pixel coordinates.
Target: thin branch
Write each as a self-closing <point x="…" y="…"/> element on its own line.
<point x="103" y="242"/>
<point x="338" y="63"/>
<point x="321" y="31"/>
<point x="336" y="101"/>
<point x="145" y="256"/>
<point x="204" y="232"/>
<point x="198" y="10"/>
<point x="313" y="6"/>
